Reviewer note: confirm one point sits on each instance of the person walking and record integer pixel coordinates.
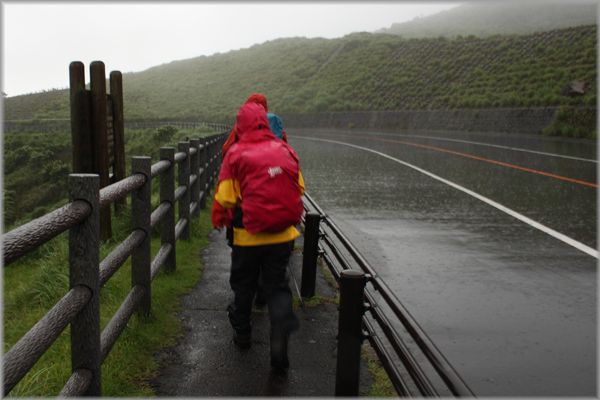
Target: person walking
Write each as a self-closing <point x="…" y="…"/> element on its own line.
<point x="230" y="214"/>
<point x="276" y="125"/>
<point x="261" y="177"/>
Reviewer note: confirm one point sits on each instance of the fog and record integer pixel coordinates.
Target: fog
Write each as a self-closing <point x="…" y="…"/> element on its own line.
<point x="39" y="40"/>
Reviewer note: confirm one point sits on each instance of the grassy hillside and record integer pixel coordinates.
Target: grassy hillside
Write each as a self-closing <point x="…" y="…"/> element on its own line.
<point x="361" y="71"/>
<point x="486" y="18"/>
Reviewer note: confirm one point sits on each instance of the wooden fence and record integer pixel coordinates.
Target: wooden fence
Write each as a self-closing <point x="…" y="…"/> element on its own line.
<point x="197" y="164"/>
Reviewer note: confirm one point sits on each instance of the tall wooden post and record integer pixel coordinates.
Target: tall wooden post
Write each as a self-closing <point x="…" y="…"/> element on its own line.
<point x="81" y="134"/>
<point x="100" y="156"/>
<point x="116" y="94"/>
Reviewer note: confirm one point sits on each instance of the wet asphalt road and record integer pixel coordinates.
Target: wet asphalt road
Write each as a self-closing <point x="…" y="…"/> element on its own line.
<point x="511" y="306"/>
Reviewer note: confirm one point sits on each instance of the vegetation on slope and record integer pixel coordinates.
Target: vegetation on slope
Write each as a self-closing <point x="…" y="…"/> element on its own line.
<point x="486" y="18"/>
<point x="36" y="168"/>
<point x="360" y="71"/>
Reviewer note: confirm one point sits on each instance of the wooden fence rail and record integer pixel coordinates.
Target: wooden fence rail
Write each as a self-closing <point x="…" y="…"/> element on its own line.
<point x="197" y="164"/>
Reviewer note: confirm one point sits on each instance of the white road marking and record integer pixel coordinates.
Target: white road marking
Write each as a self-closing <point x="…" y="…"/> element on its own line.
<point x="563" y="238"/>
<point x="482" y="144"/>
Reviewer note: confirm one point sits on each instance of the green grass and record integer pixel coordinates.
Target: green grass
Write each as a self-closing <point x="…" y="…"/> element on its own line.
<point x="317" y="299"/>
<point x="381" y="386"/>
<point x="33" y="284"/>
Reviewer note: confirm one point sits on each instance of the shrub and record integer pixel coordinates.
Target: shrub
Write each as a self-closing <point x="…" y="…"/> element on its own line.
<point x="164" y="133"/>
<point x="573" y="122"/>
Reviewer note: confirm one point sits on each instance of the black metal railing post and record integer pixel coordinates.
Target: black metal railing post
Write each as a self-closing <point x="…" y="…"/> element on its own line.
<point x="84" y="261"/>
<point x="167" y="194"/>
<point x="141" y="209"/>
<point x="184" y="180"/>
<point x="310" y="254"/>
<point x="352" y="287"/>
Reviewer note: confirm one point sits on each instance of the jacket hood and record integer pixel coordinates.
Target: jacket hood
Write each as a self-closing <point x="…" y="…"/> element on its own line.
<point x="258" y="99"/>
<point x="252" y="123"/>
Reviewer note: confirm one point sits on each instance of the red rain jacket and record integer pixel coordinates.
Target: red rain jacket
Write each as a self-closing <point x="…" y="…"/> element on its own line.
<point x="220" y="215"/>
<point x="267" y="170"/>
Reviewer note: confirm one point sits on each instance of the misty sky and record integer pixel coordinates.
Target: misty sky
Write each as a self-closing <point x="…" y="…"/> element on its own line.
<point x="39" y="40"/>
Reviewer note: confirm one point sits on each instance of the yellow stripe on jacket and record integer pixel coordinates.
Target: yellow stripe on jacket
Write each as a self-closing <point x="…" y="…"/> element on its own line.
<point x="229" y="195"/>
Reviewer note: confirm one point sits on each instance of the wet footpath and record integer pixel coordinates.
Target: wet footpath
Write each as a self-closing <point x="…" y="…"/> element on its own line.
<point x="205" y="362"/>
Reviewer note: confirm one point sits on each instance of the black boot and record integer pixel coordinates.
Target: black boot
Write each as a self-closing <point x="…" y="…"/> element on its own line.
<point x="279" y="356"/>
<point x="243" y="340"/>
<point x="242" y="335"/>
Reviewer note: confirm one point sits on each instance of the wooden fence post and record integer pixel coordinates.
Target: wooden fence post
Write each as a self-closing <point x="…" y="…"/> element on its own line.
<point x="100" y="156"/>
<point x="184" y="180"/>
<point x="220" y="142"/>
<point x="204" y="165"/>
<point x="141" y="209"/>
<point x="208" y="145"/>
<point x="213" y="156"/>
<point x="215" y="153"/>
<point x="116" y="94"/>
<point x="195" y="169"/>
<point x="84" y="261"/>
<point x="167" y="194"/>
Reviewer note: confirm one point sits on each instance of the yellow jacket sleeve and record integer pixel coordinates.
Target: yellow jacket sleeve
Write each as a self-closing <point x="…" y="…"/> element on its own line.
<point x="301" y="182"/>
<point x="228" y="193"/>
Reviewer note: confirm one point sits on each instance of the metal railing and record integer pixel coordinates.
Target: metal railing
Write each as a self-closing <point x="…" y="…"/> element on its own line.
<point x="197" y="163"/>
<point x="392" y="333"/>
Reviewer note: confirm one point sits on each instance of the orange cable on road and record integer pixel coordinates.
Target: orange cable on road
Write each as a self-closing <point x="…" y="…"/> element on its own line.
<point x="504" y="164"/>
<point x="488" y="160"/>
